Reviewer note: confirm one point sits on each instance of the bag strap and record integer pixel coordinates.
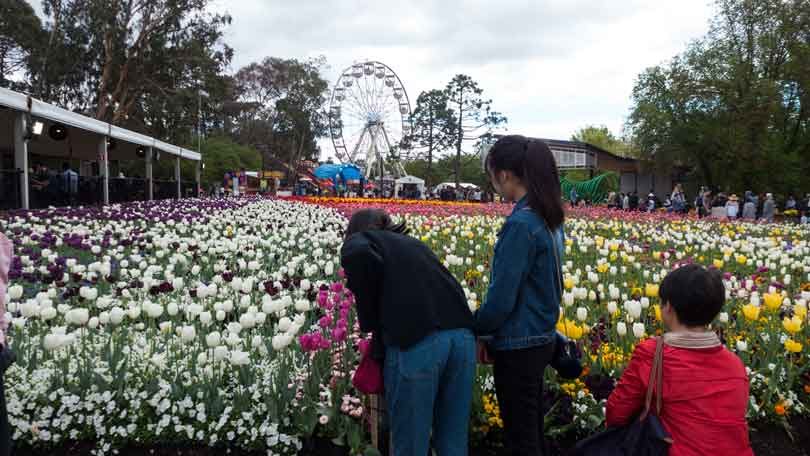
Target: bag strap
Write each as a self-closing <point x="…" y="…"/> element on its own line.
<point x="656" y="380"/>
<point x="556" y="261"/>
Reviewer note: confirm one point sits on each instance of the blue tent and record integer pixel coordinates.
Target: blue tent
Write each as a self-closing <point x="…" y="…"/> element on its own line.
<point x="339" y="173"/>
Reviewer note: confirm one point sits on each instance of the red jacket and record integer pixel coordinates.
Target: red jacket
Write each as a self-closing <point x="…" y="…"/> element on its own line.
<point x="704" y="400"/>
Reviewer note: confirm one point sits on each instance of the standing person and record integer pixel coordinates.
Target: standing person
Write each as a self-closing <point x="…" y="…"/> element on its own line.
<point x="668" y="203"/>
<point x="70" y="185"/>
<point x="523" y="299"/>
<point x="732" y="207"/>
<point x="626" y="202"/>
<point x="422" y="327"/>
<point x="633" y="201"/>
<point x="678" y="199"/>
<point x="749" y="212"/>
<point x="573" y="196"/>
<point x="768" y="208"/>
<point x="705" y="386"/>
<point x="790" y="203"/>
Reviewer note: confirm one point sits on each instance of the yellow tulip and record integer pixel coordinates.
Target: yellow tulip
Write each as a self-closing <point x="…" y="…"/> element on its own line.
<point x="651" y="290"/>
<point x="603" y="268"/>
<point x="792" y="325"/>
<point x="773" y="301"/>
<point x="751" y="312"/>
<point x="742" y="259"/>
<point x="800" y="311"/>
<point x="792" y="346"/>
<point x="657" y="312"/>
<point x="569" y="283"/>
<point x="570" y="329"/>
<point x="718" y="264"/>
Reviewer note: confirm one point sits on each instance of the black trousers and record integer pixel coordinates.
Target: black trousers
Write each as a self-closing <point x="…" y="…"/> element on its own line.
<point x="519" y="387"/>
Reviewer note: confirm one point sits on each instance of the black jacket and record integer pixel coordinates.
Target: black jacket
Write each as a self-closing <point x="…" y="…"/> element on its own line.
<point x="403" y="293"/>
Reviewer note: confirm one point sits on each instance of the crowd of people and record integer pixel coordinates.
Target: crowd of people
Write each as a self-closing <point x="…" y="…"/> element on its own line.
<point x="424" y="334"/>
<point x="717" y="205"/>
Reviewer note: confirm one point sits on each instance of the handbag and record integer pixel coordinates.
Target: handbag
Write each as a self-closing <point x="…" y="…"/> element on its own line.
<point x="368" y="378"/>
<point x="567" y="359"/>
<point x="645" y="436"/>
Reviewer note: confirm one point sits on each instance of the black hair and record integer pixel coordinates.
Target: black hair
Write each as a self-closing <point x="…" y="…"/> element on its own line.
<point x="65" y="166"/>
<point x="373" y="219"/>
<point x="532" y="162"/>
<point x="696" y="294"/>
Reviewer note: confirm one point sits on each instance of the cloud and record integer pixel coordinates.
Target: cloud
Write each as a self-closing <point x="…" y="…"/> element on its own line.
<point x="551" y="66"/>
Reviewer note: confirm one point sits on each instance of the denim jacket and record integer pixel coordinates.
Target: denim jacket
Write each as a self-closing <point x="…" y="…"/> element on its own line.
<point x="523" y="300"/>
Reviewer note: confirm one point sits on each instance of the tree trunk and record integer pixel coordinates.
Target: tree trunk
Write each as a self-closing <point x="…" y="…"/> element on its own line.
<point x="460" y="137"/>
<point x="428" y="179"/>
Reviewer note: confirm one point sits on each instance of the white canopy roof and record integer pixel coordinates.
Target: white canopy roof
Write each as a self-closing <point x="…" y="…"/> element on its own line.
<point x="410" y="180"/>
<point x="453" y="184"/>
<point x="20" y="102"/>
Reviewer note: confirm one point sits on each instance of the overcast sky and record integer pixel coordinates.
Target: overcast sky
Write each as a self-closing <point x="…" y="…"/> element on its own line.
<point x="551" y="66"/>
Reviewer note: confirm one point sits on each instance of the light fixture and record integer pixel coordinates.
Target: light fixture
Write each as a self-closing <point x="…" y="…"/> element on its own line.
<point x="58" y="132"/>
<point x="111" y="143"/>
<point x="140" y="151"/>
<point x="37" y="128"/>
<point x="203" y="166"/>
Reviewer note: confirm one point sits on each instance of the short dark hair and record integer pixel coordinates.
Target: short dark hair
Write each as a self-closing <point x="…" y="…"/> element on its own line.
<point x="696" y="294"/>
<point x="373" y="219"/>
<point x="531" y="161"/>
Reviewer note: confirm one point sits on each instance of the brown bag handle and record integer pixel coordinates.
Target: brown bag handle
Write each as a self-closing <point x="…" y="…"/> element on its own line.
<point x="656" y="380"/>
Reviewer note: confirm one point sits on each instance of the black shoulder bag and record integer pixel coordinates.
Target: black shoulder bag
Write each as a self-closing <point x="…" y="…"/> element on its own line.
<point x="645" y="436"/>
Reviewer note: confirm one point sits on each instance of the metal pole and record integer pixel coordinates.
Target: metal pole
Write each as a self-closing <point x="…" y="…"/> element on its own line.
<point x="21" y="158"/>
<point x="150" y="189"/>
<point x="177" y="176"/>
<point x="105" y="169"/>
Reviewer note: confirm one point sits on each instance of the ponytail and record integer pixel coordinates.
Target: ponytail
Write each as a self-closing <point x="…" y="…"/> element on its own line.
<point x="532" y="162"/>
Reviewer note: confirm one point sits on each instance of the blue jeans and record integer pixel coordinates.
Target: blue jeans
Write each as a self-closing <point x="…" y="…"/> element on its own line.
<point x="429" y="387"/>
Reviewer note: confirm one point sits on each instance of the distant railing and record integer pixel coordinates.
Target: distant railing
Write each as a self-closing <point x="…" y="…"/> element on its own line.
<point x="165" y="189"/>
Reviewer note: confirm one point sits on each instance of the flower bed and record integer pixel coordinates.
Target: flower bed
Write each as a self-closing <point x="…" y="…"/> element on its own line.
<point x="224" y="323"/>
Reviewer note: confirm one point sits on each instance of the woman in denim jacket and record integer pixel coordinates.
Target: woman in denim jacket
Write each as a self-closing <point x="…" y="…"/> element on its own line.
<point x="522" y="303"/>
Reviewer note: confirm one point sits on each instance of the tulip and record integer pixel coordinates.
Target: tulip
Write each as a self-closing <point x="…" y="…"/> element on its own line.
<point x="582" y="314"/>
<point x="117" y="315"/>
<point x="239" y="358"/>
<point x="188" y="334"/>
<point x="621" y="328"/>
<point x="221" y="353"/>
<point x="212" y="339"/>
<point x="638" y="330"/>
<point x="742" y="346"/>
<point x="77" y="317"/>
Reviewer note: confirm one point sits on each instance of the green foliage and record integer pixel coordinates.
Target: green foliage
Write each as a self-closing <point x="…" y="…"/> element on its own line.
<point x="734" y="104"/>
<point x="20" y="30"/>
<point x="602" y="137"/>
<point x="433" y="126"/>
<point x="221" y="155"/>
<point x="473" y="115"/>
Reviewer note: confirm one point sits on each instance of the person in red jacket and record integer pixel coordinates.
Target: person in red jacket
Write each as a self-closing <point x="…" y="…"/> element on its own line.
<point x="705" y="386"/>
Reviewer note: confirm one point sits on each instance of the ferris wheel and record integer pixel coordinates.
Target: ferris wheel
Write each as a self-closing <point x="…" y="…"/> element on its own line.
<point x="369" y="115"/>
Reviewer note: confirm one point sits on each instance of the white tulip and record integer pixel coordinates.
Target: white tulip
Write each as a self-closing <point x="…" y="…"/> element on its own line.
<point x="188" y="334"/>
<point x="247" y="320"/>
<point x="206" y="318"/>
<point x="212" y="339"/>
<point x="117" y="315"/>
<point x="234" y="327"/>
<point x="133" y="313"/>
<point x="172" y="309"/>
<point x="165" y="327"/>
<point x="47" y="313"/>
<point x="29" y="308"/>
<point x="220" y="353"/>
<point x="621" y="328"/>
<point x="245" y="302"/>
<point x="240" y="358"/>
<point x="633" y="308"/>
<point x="233" y="340"/>
<point x="645" y="302"/>
<point x="306" y="285"/>
<point x="93" y="323"/>
<point x="742" y="346"/>
<point x="723" y="317"/>
<point x="638" y="330"/>
<point x="284" y="324"/>
<point x="260" y="317"/>
<point x="77" y="317"/>
<point x="612" y="307"/>
<point x="257" y="341"/>
<point x="152" y="310"/>
<point x="227" y="306"/>
<point x="220" y="316"/>
<point x="582" y="314"/>
<point x="568" y="299"/>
